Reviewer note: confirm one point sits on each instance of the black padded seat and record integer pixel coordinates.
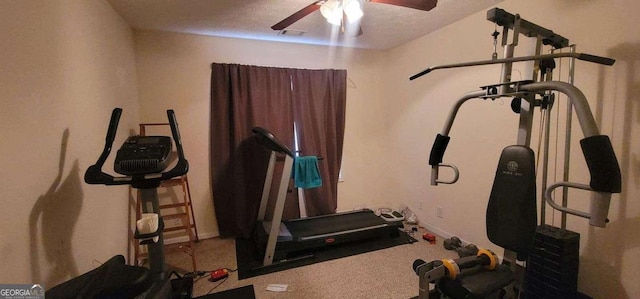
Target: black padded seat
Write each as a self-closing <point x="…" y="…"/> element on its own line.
<point x="477" y="282"/>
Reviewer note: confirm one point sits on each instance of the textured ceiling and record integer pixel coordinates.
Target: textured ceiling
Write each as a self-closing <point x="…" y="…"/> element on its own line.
<point x="384" y="26"/>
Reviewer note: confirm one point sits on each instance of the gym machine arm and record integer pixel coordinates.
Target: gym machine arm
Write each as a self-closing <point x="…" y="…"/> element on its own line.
<point x="597" y="149"/>
<point x="579" y="56"/>
<point x="598" y="152"/>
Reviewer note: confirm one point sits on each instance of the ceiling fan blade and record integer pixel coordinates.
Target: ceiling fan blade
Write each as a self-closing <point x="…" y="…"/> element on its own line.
<point x="297" y="15"/>
<point x="416" y="4"/>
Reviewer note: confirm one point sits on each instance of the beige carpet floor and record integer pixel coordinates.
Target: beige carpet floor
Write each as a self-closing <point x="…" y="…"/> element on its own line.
<point x="384" y="273"/>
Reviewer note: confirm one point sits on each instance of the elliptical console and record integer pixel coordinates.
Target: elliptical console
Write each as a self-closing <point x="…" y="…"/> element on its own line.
<point x="143" y="154"/>
<point x="141" y="158"/>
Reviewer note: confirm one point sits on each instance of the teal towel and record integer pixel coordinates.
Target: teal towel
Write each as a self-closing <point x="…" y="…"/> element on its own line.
<point x="306" y="173"/>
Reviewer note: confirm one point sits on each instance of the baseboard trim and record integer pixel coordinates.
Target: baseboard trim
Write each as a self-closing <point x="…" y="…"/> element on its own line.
<point x="435" y="230"/>
<point x="438" y="231"/>
<point x="182" y="239"/>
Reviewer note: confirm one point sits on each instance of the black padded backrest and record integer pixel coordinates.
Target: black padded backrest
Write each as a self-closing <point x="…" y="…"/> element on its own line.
<point x="511" y="212"/>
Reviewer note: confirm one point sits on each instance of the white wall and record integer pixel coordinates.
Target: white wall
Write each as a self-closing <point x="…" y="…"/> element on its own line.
<point x="609" y="256"/>
<point x="174" y="71"/>
<point x="65" y="65"/>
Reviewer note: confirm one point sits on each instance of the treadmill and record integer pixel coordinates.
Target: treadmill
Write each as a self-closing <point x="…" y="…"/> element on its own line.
<point x="298" y="238"/>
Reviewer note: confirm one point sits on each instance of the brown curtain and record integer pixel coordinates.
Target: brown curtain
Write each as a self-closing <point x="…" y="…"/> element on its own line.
<point x="243" y="97"/>
<point x="319" y="100"/>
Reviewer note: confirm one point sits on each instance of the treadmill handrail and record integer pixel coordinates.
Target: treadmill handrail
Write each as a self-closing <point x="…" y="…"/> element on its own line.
<point x="266" y="138"/>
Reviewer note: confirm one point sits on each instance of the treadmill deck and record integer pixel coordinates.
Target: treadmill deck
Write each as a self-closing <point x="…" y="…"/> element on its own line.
<point x="335" y="224"/>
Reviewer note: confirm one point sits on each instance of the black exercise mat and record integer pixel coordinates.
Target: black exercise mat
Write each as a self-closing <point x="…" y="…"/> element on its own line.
<point x="249" y="259"/>
<point x="245" y="292"/>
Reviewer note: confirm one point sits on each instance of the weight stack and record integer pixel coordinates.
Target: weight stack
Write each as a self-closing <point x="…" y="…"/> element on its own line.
<point x="552" y="268"/>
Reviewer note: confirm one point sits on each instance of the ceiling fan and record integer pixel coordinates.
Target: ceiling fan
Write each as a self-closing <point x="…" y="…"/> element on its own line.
<point x="337" y="11"/>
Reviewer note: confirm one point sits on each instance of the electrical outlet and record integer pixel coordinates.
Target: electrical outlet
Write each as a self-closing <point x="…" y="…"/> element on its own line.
<point x="420" y="205"/>
<point x="439" y="212"/>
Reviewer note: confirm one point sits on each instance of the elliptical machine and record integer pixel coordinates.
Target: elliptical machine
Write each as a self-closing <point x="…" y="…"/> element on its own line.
<point x="142" y="160"/>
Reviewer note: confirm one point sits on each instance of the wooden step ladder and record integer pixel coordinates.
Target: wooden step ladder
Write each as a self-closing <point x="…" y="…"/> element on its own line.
<point x="181" y="210"/>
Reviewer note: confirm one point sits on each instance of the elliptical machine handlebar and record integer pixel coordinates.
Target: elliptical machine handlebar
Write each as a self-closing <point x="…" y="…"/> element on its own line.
<point x="111" y="133"/>
<point x="183" y="165"/>
<point x="95" y="175"/>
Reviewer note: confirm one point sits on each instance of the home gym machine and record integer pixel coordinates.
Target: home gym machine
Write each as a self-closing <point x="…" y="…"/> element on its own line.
<point x="285" y="240"/>
<point x="511" y="216"/>
<point x="142" y="160"/>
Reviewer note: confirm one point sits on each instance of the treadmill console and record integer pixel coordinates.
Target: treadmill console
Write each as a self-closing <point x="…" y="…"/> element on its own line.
<point x="143" y="155"/>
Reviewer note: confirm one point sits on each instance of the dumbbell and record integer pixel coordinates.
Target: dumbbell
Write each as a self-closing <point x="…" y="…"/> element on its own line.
<point x="485" y="258"/>
<point x="434" y="270"/>
<point x="454" y="243"/>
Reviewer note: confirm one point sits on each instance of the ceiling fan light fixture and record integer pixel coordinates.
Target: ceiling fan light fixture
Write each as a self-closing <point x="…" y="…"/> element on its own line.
<point x="332" y="11"/>
<point x="353" y="10"/>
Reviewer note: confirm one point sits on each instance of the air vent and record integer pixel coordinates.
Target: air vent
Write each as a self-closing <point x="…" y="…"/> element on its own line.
<point x="291" y="32"/>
